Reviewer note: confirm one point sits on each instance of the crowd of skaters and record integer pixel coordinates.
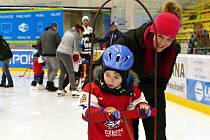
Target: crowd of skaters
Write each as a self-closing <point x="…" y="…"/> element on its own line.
<point x="70" y="54"/>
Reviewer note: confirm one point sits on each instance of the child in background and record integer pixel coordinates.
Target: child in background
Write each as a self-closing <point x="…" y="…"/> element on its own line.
<point x="38" y="63"/>
<point x="114" y="89"/>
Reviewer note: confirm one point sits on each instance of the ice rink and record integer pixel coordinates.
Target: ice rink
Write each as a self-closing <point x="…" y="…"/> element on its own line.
<point x="26" y="114"/>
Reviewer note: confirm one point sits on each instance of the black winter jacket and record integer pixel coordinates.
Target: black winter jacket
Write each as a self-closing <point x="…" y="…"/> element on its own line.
<point x="134" y="39"/>
<point x="111" y="37"/>
<point x="49" y="42"/>
<point x="5" y="52"/>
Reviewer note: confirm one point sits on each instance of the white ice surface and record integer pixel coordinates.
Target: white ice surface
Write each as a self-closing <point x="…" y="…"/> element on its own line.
<point x="26" y="114"/>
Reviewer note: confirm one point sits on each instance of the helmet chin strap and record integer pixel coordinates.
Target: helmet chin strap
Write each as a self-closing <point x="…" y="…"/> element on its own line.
<point x="91" y="71"/>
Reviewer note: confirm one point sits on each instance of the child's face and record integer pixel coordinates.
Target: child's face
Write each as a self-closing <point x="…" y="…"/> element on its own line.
<point x="112" y="79"/>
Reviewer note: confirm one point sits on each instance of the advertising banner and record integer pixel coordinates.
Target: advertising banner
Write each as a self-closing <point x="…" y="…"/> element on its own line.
<point x="191" y="78"/>
<point x="24" y="25"/>
<point x="198" y="91"/>
<point x="21" y="59"/>
<point x="177" y="83"/>
<point x="198" y="67"/>
<point x="198" y="79"/>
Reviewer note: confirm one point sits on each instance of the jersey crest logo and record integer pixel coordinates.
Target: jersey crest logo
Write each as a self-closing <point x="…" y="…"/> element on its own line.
<point x="112" y="124"/>
<point x="83" y="99"/>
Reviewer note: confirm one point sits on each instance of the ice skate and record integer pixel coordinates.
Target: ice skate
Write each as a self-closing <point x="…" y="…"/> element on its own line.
<point x="67" y="89"/>
<point x="60" y="93"/>
<point x="75" y="94"/>
<point x="34" y="88"/>
<point x="40" y="87"/>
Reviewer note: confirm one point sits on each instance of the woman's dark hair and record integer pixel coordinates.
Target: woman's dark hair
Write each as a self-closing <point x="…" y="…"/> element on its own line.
<point x="47" y="28"/>
<point x="77" y="26"/>
<point x="54" y="24"/>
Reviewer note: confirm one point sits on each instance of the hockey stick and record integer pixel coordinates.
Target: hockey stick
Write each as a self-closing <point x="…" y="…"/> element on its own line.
<point x="127" y="126"/>
<point x="28" y="68"/>
<point x="24" y="72"/>
<point x="130" y="114"/>
<point x="91" y="68"/>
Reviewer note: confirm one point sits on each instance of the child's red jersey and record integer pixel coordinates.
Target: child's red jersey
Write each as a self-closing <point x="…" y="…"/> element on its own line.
<point x="37" y="67"/>
<point x="110" y="130"/>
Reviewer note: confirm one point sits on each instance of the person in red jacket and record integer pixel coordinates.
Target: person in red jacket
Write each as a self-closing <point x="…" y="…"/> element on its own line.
<point x="38" y="63"/>
<point x="114" y="89"/>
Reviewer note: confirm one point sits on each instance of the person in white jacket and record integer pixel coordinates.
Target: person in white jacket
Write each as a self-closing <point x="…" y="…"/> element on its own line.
<point x="86" y="39"/>
<point x="68" y="47"/>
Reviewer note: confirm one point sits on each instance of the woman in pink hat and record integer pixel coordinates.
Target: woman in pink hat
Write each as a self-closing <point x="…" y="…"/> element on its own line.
<point x="142" y="43"/>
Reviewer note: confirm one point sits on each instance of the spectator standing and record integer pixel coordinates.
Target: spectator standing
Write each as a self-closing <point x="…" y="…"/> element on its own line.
<point x="86" y="38"/>
<point x="112" y="36"/>
<point x="86" y="47"/>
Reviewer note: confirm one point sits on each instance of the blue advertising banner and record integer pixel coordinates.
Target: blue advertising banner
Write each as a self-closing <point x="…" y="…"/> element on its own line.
<point x="28" y="24"/>
<point x="198" y="91"/>
<point x="20" y="59"/>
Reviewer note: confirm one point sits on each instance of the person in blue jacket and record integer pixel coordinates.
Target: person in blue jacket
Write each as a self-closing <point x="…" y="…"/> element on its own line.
<point x="112" y="36"/>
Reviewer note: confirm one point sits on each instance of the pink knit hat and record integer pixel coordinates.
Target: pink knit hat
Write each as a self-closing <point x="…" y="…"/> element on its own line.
<point x="166" y="24"/>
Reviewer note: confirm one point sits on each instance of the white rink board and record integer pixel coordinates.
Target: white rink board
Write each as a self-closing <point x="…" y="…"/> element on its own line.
<point x="177" y="83"/>
<point x="191" y="78"/>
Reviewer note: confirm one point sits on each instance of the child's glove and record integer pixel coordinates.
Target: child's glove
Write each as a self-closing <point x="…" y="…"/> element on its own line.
<point x="112" y="114"/>
<point x="41" y="59"/>
<point x="145" y="113"/>
<point x="81" y="45"/>
<point x="144" y="110"/>
<point x="76" y="58"/>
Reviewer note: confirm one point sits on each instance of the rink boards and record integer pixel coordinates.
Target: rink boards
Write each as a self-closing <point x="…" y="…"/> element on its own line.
<point x="21" y="59"/>
<point x="190" y="82"/>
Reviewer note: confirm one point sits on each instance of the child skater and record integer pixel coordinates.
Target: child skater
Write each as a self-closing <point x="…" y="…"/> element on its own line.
<point x="38" y="63"/>
<point x="114" y="89"/>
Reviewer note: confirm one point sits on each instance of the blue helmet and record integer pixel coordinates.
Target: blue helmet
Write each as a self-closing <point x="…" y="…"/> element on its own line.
<point x="118" y="57"/>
